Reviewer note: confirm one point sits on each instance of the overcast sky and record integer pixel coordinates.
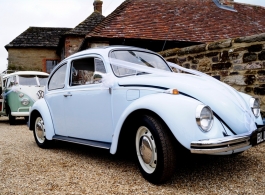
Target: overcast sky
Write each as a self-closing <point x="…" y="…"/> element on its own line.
<point x="17" y="15"/>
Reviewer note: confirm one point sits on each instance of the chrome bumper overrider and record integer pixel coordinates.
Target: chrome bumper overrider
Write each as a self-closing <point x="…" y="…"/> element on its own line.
<point x="225" y="144"/>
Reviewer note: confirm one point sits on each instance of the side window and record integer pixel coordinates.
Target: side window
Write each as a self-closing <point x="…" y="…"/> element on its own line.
<point x="58" y="78"/>
<point x="86" y="71"/>
<point x="99" y="65"/>
<point x="11" y="81"/>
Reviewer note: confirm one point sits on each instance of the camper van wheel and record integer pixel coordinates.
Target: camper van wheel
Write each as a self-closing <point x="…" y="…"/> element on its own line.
<point x="12" y="119"/>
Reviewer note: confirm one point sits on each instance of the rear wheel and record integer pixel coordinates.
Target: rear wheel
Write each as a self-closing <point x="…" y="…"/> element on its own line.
<point x="12" y="119"/>
<point x="155" y="150"/>
<point x="40" y="134"/>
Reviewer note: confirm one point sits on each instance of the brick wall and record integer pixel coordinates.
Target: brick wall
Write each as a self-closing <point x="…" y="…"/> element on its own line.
<point x="72" y="44"/>
<point x="29" y="58"/>
<point x="238" y="62"/>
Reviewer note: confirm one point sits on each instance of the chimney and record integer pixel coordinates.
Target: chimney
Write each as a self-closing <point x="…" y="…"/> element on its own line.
<point x="98" y="6"/>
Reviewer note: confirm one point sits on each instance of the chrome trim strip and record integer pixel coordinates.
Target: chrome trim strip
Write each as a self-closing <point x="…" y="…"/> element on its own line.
<point x="97" y="144"/>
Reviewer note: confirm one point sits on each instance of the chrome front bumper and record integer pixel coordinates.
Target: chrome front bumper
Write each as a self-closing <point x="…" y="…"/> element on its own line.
<point x="229" y="143"/>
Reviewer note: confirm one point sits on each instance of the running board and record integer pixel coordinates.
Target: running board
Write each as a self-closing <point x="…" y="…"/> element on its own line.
<point x="97" y="144"/>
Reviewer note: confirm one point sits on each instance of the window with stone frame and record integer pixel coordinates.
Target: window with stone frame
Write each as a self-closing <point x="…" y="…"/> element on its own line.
<point x="50" y="64"/>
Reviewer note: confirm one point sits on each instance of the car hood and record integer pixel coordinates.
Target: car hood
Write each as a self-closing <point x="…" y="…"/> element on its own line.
<point x="227" y="104"/>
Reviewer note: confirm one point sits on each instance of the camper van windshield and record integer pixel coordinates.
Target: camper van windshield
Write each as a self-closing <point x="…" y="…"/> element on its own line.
<point x="32" y="80"/>
<point x="43" y="80"/>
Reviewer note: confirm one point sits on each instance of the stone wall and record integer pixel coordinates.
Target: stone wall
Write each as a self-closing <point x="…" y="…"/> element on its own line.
<point x="30" y="58"/>
<point x="239" y="62"/>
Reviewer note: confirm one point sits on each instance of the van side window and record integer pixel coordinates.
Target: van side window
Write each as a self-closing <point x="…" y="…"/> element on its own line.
<point x="58" y="78"/>
<point x="86" y="71"/>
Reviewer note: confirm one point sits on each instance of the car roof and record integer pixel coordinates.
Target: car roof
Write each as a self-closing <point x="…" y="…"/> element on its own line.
<point x="106" y="49"/>
<point x="26" y="73"/>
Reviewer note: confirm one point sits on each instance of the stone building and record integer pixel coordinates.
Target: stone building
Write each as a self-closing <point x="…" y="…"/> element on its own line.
<point x="41" y="48"/>
<point x="35" y="49"/>
<point x="155" y="25"/>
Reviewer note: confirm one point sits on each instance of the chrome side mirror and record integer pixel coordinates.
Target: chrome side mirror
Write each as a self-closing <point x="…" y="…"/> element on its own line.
<point x="97" y="77"/>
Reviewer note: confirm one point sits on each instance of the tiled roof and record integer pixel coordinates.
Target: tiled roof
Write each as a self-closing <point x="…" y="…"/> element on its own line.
<point x="87" y="25"/>
<point x="38" y="37"/>
<point x="181" y="20"/>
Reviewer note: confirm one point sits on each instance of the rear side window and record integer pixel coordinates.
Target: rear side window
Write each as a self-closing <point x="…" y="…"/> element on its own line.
<point x="86" y="71"/>
<point x="58" y="78"/>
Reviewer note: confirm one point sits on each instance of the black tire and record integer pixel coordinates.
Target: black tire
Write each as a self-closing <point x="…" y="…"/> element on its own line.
<point x="39" y="133"/>
<point x="12" y="119"/>
<point x="26" y="118"/>
<point x="155" y="150"/>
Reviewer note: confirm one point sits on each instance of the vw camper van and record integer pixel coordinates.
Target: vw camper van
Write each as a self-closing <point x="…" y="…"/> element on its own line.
<point x="18" y="92"/>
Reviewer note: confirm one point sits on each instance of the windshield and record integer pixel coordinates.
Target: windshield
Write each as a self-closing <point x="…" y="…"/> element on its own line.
<point x="43" y="80"/>
<point x="32" y="80"/>
<point x="139" y="58"/>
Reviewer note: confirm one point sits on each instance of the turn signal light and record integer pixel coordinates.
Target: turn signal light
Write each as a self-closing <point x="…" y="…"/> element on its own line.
<point x="175" y="92"/>
<point x="172" y="91"/>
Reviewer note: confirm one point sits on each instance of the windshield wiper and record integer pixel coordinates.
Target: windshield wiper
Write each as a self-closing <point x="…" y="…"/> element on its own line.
<point x="141" y="59"/>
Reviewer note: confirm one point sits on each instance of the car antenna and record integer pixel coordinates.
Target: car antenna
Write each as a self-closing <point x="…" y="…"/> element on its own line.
<point x="176" y="13"/>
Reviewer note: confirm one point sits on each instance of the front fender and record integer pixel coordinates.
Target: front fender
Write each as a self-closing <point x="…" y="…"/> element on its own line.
<point x="41" y="107"/>
<point x="177" y="111"/>
<point x="247" y="98"/>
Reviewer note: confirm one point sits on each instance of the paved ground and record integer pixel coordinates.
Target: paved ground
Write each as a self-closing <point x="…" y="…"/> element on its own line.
<point x="74" y="169"/>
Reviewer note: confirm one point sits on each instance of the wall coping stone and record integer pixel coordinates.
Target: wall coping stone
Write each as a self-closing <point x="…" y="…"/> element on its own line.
<point x="220" y="44"/>
<point x="250" y="39"/>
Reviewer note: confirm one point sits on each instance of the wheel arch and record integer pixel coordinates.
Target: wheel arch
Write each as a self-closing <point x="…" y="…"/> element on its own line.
<point x="34" y="114"/>
<point x="40" y="108"/>
<point x="171" y="115"/>
<point x="127" y="133"/>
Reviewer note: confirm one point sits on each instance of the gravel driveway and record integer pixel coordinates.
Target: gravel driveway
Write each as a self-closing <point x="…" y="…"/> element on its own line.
<point x="75" y="169"/>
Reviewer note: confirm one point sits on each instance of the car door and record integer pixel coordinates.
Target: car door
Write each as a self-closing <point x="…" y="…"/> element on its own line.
<point x="55" y="97"/>
<point x="88" y="103"/>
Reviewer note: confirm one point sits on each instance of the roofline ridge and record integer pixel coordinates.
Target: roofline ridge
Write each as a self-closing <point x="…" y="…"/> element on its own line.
<point x="71" y="31"/>
<point x="48" y="27"/>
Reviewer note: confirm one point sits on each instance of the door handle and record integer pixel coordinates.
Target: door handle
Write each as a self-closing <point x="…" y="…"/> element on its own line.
<point x="67" y="94"/>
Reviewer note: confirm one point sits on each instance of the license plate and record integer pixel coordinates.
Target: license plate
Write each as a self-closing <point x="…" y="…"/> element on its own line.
<point x="258" y="137"/>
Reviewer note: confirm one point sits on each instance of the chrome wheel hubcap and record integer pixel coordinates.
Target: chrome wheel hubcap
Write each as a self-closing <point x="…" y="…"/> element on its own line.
<point x="146" y="149"/>
<point x="40" y="130"/>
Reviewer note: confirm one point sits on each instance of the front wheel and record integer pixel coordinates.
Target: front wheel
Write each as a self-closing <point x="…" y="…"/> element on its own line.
<point x="12" y="119"/>
<point x="155" y="150"/>
<point x="40" y="134"/>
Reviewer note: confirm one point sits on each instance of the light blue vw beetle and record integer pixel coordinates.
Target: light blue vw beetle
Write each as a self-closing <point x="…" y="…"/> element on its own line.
<point x="122" y="97"/>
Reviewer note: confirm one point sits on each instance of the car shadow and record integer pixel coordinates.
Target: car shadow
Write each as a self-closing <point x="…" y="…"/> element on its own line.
<point x="19" y="121"/>
<point x="189" y="168"/>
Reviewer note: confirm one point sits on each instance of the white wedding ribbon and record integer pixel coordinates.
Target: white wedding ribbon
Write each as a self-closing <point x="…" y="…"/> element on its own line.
<point x="13" y="89"/>
<point x="249" y="119"/>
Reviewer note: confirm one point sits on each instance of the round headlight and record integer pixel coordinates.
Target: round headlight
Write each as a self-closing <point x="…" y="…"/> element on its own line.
<point x="255" y="106"/>
<point x="21" y="95"/>
<point x="25" y="102"/>
<point x="204" y="118"/>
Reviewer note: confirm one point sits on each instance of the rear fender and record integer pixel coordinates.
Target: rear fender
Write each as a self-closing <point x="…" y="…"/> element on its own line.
<point x="40" y="107"/>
